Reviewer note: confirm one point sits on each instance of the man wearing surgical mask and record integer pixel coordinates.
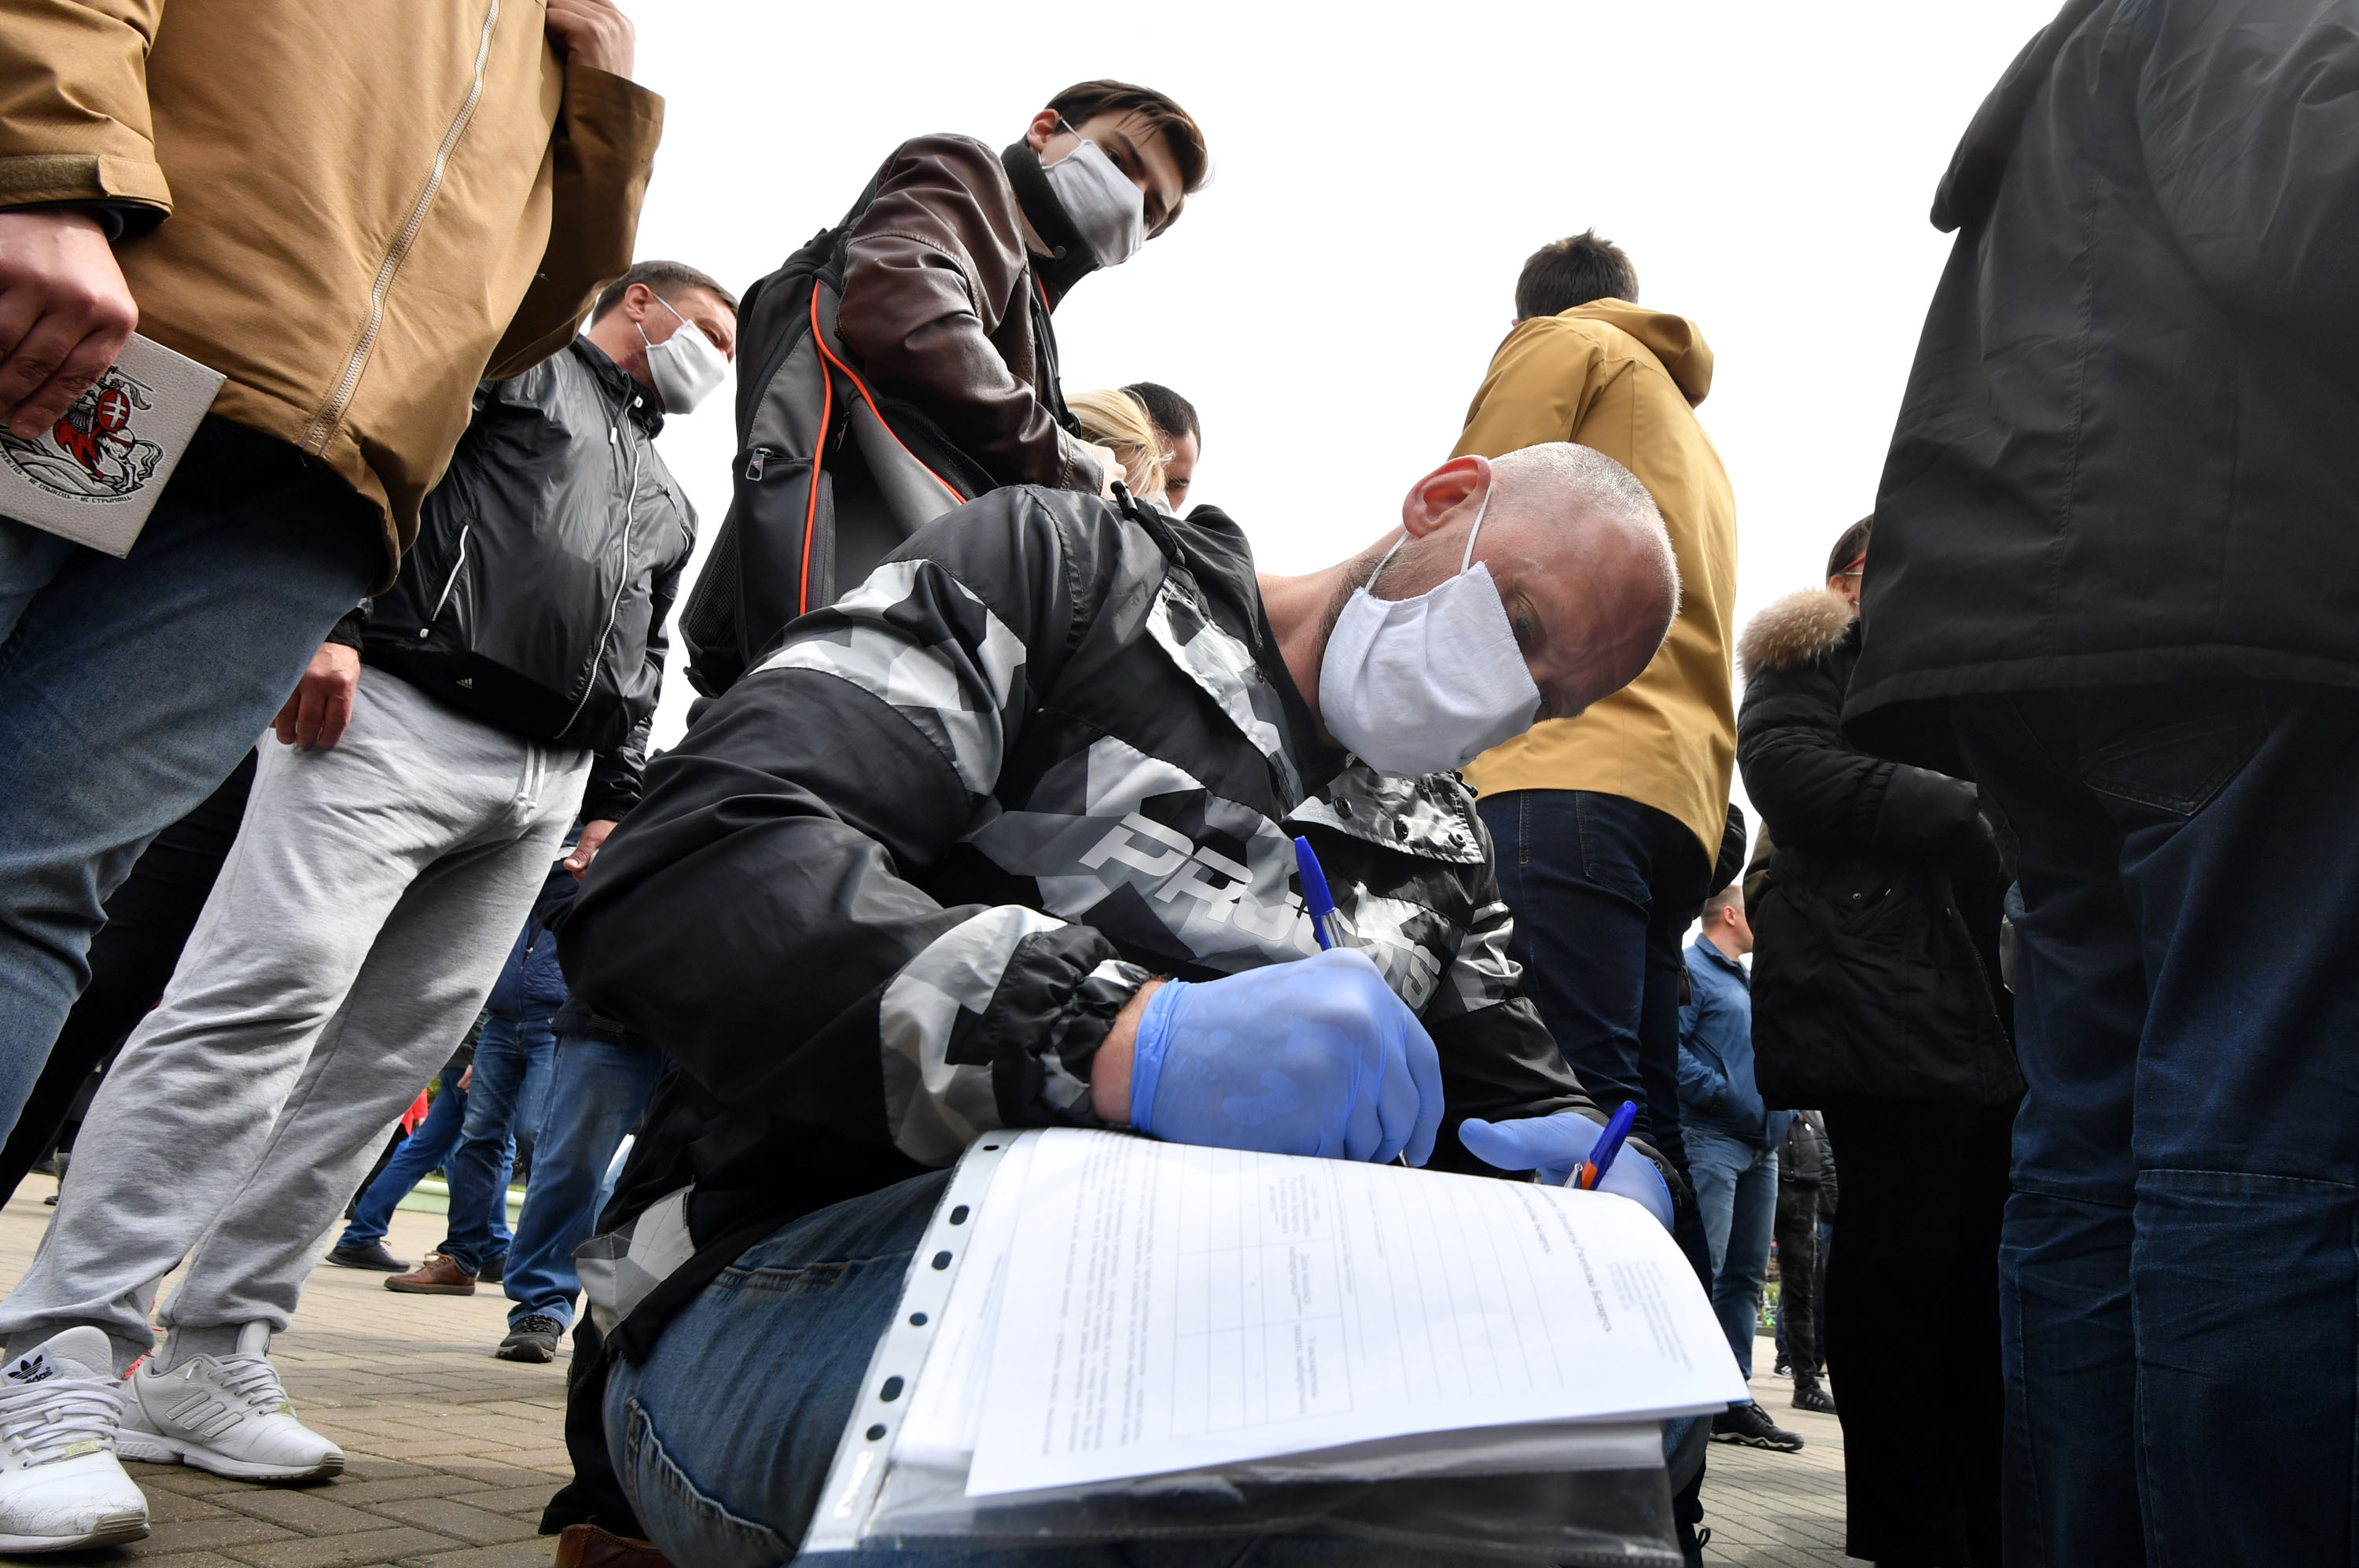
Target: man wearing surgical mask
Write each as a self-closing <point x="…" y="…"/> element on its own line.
<point x="957" y="254"/>
<point x="421" y="788"/>
<point x="1004" y="838"/>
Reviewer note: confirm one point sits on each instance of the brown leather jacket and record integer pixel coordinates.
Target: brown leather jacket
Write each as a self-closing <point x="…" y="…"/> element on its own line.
<point x="353" y="211"/>
<point x="938" y="289"/>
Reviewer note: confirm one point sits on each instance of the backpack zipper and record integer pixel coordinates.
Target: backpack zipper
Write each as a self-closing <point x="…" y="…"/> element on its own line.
<point x="331" y="412"/>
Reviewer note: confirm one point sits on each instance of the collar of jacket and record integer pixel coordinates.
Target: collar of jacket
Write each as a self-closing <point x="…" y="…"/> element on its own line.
<point x="1431" y="816"/>
<point x="1797" y="630"/>
<point x="627" y="389"/>
<point x="1711" y="950"/>
<point x="1069" y="258"/>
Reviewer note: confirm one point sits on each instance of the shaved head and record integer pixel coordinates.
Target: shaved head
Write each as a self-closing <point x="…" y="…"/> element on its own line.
<point x="1582" y="563"/>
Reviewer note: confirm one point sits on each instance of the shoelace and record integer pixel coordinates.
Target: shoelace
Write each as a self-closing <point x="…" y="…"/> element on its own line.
<point x="253" y="1380"/>
<point x="60" y="1418"/>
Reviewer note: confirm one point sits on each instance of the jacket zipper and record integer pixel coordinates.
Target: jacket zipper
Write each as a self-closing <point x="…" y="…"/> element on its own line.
<point x="331" y="412"/>
<point x="450" y="581"/>
<point x="622" y="584"/>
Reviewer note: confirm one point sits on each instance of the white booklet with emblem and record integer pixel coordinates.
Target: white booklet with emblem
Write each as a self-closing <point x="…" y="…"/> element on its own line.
<point x="95" y="476"/>
<point x="1094" y="1314"/>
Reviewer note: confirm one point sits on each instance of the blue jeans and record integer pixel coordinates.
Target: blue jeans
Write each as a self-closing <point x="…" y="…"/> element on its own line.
<point x="129" y="688"/>
<point x="2179" y="1289"/>
<point x="505" y="1100"/>
<point x="597" y="1092"/>
<point x="722" y="1436"/>
<point x="420" y="1155"/>
<point x="1736" y="1196"/>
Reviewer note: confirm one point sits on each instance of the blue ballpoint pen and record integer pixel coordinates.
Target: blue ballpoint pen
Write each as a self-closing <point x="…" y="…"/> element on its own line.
<point x="1592" y="1170"/>
<point x="1321" y="902"/>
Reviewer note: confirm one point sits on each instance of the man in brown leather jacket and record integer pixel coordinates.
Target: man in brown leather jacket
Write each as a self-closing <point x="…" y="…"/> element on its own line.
<point x="955" y="263"/>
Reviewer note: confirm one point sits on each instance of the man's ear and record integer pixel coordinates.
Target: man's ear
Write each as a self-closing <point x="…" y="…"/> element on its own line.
<point x="1441" y="492"/>
<point x="637" y="300"/>
<point x="1043" y="126"/>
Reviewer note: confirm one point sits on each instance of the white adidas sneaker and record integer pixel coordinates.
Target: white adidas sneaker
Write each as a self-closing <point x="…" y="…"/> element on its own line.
<point x="60" y="1486"/>
<point x="228" y="1414"/>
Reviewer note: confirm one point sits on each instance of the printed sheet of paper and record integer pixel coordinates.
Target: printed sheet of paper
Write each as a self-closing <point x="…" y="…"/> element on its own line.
<point x="1167" y="1308"/>
<point x="95" y="476"/>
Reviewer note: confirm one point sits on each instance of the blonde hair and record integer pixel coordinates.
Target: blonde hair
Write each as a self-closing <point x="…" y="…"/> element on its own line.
<point x="1119" y="420"/>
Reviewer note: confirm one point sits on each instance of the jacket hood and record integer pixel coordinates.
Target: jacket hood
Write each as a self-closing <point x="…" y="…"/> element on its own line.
<point x="1798" y="629"/>
<point x="1674" y="339"/>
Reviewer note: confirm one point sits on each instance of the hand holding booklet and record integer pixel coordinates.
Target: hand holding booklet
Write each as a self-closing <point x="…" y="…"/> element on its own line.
<point x="1095" y="1315"/>
<point x="95" y="476"/>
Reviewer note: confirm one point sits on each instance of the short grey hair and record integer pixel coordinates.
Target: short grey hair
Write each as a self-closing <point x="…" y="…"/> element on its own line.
<point x="1582" y="470"/>
<point x="659" y="276"/>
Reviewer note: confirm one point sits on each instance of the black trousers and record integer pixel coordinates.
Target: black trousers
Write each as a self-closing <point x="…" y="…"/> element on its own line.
<point x="1798" y="1277"/>
<point x="1912" y="1335"/>
<point x="149" y="919"/>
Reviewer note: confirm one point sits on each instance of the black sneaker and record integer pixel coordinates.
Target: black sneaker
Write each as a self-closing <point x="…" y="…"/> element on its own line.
<point x="535" y="1339"/>
<point x="493" y="1268"/>
<point x="374" y="1255"/>
<point x="1781" y="1369"/>
<point x="1751" y="1425"/>
<point x="1810" y="1394"/>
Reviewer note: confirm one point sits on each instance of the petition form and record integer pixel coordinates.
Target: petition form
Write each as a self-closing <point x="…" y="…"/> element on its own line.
<point x="1167" y="1307"/>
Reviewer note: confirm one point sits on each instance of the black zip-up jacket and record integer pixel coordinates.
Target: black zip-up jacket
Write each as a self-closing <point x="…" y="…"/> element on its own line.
<point x="1876" y="920"/>
<point x="2127" y="453"/>
<point x="894" y="885"/>
<point x="545" y="567"/>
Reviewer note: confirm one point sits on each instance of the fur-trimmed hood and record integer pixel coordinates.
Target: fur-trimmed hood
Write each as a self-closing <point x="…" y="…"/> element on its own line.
<point x="1798" y="629"/>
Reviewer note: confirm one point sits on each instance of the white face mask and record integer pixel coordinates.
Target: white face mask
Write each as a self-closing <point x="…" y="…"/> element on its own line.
<point x="1100" y="201"/>
<point x="685" y="367"/>
<point x="1427" y="683"/>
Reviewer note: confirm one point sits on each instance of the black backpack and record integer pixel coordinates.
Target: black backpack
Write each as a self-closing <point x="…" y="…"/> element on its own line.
<point x="830" y="476"/>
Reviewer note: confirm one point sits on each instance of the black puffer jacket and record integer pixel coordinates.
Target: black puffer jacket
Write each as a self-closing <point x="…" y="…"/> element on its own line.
<point x="1876" y="924"/>
<point x="545" y="567"/>
<point x="2127" y="453"/>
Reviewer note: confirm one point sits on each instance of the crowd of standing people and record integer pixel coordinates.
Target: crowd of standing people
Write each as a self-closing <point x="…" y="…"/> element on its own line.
<point x="2007" y="1031"/>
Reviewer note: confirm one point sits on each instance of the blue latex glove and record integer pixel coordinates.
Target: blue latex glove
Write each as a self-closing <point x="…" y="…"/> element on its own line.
<point x="1554" y="1146"/>
<point x="1316" y="1057"/>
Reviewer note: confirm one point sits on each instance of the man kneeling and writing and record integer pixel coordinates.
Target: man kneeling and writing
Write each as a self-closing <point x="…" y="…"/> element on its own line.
<point x="1003" y="840"/>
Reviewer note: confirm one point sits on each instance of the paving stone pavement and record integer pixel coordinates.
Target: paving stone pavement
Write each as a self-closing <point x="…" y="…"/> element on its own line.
<point x="453" y="1452"/>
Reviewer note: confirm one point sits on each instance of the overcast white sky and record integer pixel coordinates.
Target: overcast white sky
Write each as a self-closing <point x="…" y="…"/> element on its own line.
<point x="1380" y="172"/>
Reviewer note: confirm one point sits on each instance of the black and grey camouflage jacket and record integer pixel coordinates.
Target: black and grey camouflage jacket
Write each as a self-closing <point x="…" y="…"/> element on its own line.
<point x="893" y="887"/>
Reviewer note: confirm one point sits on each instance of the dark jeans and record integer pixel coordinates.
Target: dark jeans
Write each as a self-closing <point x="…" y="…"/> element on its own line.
<point x="1912" y="1327"/>
<point x="420" y="1154"/>
<point x="1604" y="890"/>
<point x="2180" y="1290"/>
<point x="597" y="1092"/>
<point x="1797" y="1278"/>
<point x="504" y="1101"/>
<point x="129" y="690"/>
<point x="149" y="919"/>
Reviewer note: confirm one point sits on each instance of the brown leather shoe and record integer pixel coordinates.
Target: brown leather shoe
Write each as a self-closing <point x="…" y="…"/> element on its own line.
<point x="587" y="1546"/>
<point x="440" y="1275"/>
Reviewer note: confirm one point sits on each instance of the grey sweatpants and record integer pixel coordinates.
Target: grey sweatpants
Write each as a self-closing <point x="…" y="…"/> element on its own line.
<point x="375" y="889"/>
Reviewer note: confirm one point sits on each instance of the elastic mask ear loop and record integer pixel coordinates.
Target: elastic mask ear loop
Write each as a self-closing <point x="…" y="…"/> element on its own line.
<point x="1468" y="559"/>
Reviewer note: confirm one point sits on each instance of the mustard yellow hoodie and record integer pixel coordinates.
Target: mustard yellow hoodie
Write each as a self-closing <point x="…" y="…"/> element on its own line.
<point x="1625" y="380"/>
